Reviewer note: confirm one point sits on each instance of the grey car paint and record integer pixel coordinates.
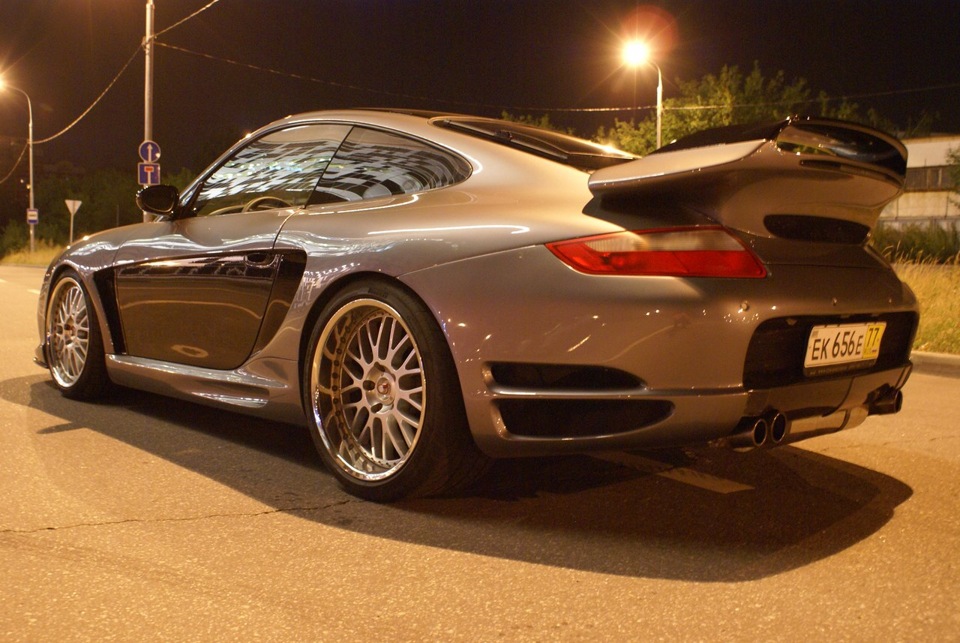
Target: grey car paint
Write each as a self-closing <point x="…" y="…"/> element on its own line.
<point x="474" y="254"/>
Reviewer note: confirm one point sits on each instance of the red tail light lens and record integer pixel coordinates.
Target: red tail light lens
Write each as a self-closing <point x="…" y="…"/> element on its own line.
<point x="675" y="252"/>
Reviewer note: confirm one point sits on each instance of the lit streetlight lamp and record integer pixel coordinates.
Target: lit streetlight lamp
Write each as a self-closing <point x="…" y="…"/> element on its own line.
<point x="636" y="53"/>
<point x="32" y="208"/>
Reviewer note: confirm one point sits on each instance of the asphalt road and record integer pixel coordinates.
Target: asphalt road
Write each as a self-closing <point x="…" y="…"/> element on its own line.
<point x="145" y="519"/>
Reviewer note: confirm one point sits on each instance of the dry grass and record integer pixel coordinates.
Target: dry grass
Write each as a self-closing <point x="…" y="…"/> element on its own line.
<point x="938" y="288"/>
<point x="42" y="255"/>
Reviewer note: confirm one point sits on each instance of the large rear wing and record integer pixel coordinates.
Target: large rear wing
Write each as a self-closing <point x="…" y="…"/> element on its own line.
<point x="770" y="179"/>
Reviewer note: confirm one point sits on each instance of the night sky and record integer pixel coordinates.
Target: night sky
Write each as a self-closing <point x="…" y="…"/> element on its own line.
<point x="525" y="56"/>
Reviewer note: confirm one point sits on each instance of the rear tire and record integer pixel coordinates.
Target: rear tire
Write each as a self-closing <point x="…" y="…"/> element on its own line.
<point x="75" y="354"/>
<point x="383" y="398"/>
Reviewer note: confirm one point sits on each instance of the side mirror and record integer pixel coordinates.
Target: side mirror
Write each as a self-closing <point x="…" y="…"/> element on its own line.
<point x="158" y="199"/>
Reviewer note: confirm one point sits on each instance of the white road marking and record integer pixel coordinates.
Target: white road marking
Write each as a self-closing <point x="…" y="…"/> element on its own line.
<point x="685" y="475"/>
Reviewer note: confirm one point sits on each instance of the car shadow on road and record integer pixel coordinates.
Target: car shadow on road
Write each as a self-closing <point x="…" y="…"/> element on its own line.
<point x="696" y="514"/>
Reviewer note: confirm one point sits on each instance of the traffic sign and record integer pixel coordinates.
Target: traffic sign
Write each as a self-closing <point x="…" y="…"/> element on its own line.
<point x="72" y="206"/>
<point x="148" y="173"/>
<point x="33" y="216"/>
<point x="149" y="151"/>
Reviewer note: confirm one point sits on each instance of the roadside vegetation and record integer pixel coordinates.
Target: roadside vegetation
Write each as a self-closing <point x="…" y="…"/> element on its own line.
<point x="937" y="286"/>
<point x="43" y="253"/>
<point x="927" y="258"/>
<point x="918" y="244"/>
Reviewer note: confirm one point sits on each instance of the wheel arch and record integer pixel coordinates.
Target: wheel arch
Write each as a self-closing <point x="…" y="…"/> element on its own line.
<point x="447" y="458"/>
<point x="99" y="285"/>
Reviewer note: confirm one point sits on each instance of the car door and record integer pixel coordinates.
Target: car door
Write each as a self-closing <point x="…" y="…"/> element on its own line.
<point x="195" y="290"/>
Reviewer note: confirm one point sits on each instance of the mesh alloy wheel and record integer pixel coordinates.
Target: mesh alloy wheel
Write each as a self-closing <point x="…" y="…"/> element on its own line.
<point x="69" y="331"/>
<point x="74" y="348"/>
<point x="370" y="389"/>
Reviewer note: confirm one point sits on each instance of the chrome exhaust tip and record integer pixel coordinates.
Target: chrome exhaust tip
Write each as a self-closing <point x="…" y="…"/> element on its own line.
<point x="761" y="432"/>
<point x="752" y="433"/>
<point x="779" y="427"/>
<point x="887" y="404"/>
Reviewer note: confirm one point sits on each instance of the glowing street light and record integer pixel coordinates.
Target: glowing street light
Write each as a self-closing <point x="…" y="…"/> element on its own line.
<point x="636" y="53"/>
<point x="32" y="208"/>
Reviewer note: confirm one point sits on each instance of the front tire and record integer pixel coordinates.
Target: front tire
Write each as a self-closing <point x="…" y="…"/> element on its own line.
<point x="75" y="354"/>
<point x="383" y="399"/>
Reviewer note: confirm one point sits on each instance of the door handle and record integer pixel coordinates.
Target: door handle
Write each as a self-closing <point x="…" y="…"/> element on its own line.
<point x="260" y="258"/>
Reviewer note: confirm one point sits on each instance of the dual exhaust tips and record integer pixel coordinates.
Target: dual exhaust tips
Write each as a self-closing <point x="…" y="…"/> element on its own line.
<point x="774" y="428"/>
<point x="766" y="431"/>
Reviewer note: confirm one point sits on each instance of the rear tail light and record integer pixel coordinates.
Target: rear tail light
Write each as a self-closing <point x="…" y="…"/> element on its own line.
<point x="674" y="252"/>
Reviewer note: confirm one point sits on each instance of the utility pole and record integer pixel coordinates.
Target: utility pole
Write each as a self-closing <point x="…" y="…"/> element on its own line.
<point x="148" y="83"/>
<point x="32" y="215"/>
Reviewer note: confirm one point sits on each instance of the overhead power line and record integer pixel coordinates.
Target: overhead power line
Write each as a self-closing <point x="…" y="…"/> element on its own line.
<point x="321" y="81"/>
<point x="191" y="16"/>
<point x="92" y="105"/>
<point x="528" y="108"/>
<point x="15" y="164"/>
<point x="104" y="92"/>
<point x="117" y="76"/>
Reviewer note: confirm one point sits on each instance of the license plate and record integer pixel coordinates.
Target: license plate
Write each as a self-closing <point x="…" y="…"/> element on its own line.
<point x="839" y="347"/>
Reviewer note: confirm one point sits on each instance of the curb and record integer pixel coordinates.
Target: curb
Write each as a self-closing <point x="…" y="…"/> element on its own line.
<point x="936" y="364"/>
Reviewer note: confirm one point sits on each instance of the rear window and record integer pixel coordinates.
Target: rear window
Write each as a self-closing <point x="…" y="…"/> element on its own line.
<point x="372" y="163"/>
<point x="569" y="150"/>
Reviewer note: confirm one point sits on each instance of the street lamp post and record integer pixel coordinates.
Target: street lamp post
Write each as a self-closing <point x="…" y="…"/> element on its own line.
<point x="659" y="102"/>
<point x="32" y="206"/>
<point x="636" y="53"/>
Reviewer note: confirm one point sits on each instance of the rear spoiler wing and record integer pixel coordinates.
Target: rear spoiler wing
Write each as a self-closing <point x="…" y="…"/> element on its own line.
<point x="740" y="175"/>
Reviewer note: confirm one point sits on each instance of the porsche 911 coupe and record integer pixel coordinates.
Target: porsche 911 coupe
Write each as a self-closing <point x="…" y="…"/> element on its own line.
<point x="430" y="291"/>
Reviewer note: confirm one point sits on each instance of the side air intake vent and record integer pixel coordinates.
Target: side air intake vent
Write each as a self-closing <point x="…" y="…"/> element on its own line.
<point x="580" y="418"/>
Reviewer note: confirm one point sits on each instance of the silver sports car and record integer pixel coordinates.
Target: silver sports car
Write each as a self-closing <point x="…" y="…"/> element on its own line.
<point x="430" y="291"/>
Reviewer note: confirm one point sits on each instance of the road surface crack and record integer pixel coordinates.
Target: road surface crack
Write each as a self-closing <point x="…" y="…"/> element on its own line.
<point x="127" y="521"/>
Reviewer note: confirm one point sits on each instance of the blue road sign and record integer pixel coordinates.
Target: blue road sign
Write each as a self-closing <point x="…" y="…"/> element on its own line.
<point x="149" y="151"/>
<point x="148" y="173"/>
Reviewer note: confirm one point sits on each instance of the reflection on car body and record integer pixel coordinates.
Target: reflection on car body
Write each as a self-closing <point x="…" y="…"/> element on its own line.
<point x="429" y="291"/>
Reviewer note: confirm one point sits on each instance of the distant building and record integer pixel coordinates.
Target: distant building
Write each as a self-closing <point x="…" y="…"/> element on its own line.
<point x="930" y="194"/>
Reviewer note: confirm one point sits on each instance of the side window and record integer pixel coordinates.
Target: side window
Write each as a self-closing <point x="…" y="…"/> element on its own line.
<point x="372" y="163"/>
<point x="277" y="170"/>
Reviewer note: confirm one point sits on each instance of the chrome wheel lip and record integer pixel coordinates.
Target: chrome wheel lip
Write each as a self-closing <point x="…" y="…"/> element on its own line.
<point x="370" y="401"/>
<point x="68" y="332"/>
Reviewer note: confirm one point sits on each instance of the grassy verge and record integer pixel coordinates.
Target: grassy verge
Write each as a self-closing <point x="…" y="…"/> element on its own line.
<point x="42" y="255"/>
<point x="938" y="288"/>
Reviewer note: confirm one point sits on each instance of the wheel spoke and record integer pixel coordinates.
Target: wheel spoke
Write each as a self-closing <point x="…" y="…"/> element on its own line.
<point x="69" y="332"/>
<point x="369" y="388"/>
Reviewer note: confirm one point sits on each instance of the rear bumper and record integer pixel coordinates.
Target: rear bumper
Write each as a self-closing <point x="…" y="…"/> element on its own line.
<point x="556" y="422"/>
